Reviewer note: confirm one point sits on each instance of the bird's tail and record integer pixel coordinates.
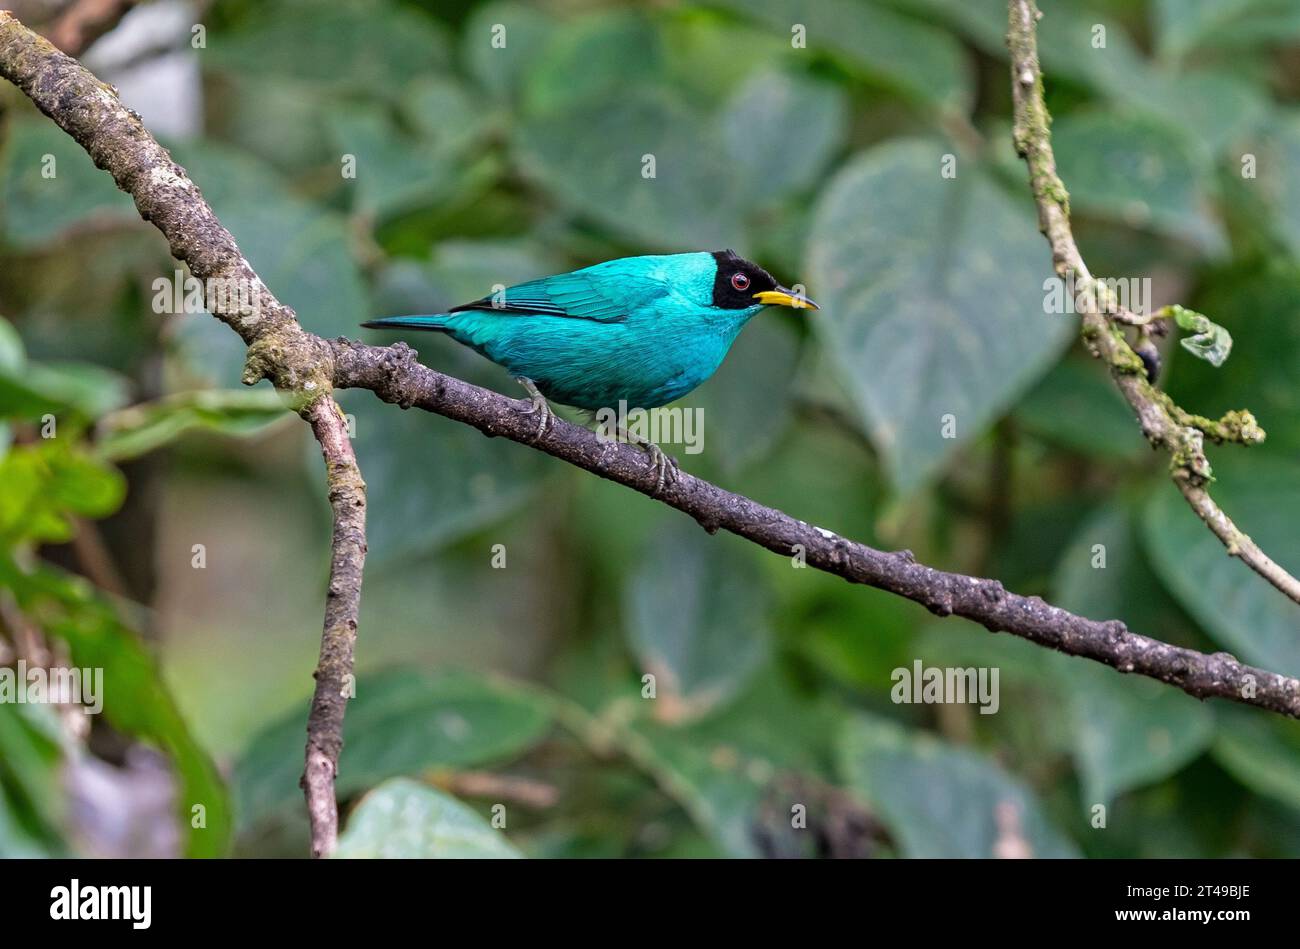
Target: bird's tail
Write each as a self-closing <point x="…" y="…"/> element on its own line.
<point x="431" y="321"/>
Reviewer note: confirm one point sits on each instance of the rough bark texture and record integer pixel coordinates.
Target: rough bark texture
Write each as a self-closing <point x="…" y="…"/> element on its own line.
<point x="334" y="678"/>
<point x="393" y="374"/>
<point x="309" y="368"/>
<point x="278" y="349"/>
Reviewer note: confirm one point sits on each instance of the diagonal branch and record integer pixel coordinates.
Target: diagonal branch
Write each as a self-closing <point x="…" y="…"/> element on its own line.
<point x="393" y="374"/>
<point x="1164" y="423"/>
<point x="310" y="368"/>
<point x="295" y="361"/>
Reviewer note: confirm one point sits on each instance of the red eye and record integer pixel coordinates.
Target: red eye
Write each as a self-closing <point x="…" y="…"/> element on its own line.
<point x="740" y="281"/>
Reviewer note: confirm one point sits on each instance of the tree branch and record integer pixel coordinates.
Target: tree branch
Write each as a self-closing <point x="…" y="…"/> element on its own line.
<point x="393" y="374"/>
<point x="1164" y="423"/>
<point x="334" y="680"/>
<point x="278" y="349"/>
<point x="309" y="368"/>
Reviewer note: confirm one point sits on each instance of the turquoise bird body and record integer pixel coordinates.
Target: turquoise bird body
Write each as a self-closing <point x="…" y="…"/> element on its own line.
<point x="632" y="333"/>
<point x="638" y="330"/>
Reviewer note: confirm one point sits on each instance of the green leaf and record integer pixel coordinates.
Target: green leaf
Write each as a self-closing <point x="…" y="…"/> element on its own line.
<point x="900" y="260"/>
<point x="12" y="352"/>
<point x="1257" y="304"/>
<point x="1277" y="155"/>
<point x="942" y="801"/>
<point x="136" y="701"/>
<point x="32" y="802"/>
<point x="1070" y="45"/>
<point x="1078" y="407"/>
<point x="341" y="46"/>
<point x="397" y="173"/>
<point x="737" y="773"/>
<point x="1185" y="25"/>
<point x="140" y="429"/>
<point x="921" y="61"/>
<point x="449" y="118"/>
<point x="1066" y="39"/>
<point x="391" y="173"/>
<point x="49" y="184"/>
<point x="30" y="391"/>
<point x="595" y="160"/>
<point x="401" y="722"/>
<point x="591" y="59"/>
<point x="1128" y="731"/>
<point x="782" y="129"/>
<point x="1211" y="107"/>
<point x="1240" y="609"/>
<point x="1261" y="751"/>
<point x="404" y="820"/>
<point x="48" y="483"/>
<point x="640" y="169"/>
<point x="1215" y="110"/>
<point x="984" y="22"/>
<point x="696" y="619"/>
<point x="431" y="481"/>
<point x="1135" y="169"/>
<point x="500" y="68"/>
<point x="1211" y="341"/>
<point x="746" y="405"/>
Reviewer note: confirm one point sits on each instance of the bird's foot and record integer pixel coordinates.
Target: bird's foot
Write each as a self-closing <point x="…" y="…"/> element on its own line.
<point x="540" y="406"/>
<point x="664" y="465"/>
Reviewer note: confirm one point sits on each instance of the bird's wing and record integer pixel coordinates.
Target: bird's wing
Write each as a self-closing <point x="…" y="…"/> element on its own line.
<point x="604" y="298"/>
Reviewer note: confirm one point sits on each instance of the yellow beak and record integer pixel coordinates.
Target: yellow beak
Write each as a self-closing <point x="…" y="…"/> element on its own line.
<point x="783" y="297"/>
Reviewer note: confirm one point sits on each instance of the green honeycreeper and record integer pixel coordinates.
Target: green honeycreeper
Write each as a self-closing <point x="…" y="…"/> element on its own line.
<point x="639" y="330"/>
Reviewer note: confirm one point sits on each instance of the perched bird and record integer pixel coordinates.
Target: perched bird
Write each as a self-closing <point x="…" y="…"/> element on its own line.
<point x="639" y="330"/>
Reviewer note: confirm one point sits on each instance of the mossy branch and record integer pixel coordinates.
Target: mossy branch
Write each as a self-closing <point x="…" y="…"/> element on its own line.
<point x="309" y="368"/>
<point x="1182" y="434"/>
<point x="297" y="362"/>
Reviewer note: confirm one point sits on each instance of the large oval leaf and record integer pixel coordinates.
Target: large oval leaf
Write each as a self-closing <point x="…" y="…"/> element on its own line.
<point x="405" y="820"/>
<point x="932" y="300"/>
<point x="343" y="46"/>
<point x="1262" y="751"/>
<point x="48" y="183"/>
<point x="1138" y="170"/>
<point x="597" y="161"/>
<point x="782" y="129"/>
<point x="400" y="722"/>
<point x="1128" y="731"/>
<point x="696" y="618"/>
<point x="916" y="58"/>
<point x="941" y="801"/>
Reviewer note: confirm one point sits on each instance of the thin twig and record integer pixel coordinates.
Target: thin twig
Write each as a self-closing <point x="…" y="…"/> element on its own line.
<point x="95" y="559"/>
<point x="1164" y="423"/>
<point x="278" y="349"/>
<point x="334" y="681"/>
<point x="526" y="792"/>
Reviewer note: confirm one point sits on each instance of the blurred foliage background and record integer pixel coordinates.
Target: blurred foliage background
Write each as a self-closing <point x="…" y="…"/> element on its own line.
<point x="175" y="531"/>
